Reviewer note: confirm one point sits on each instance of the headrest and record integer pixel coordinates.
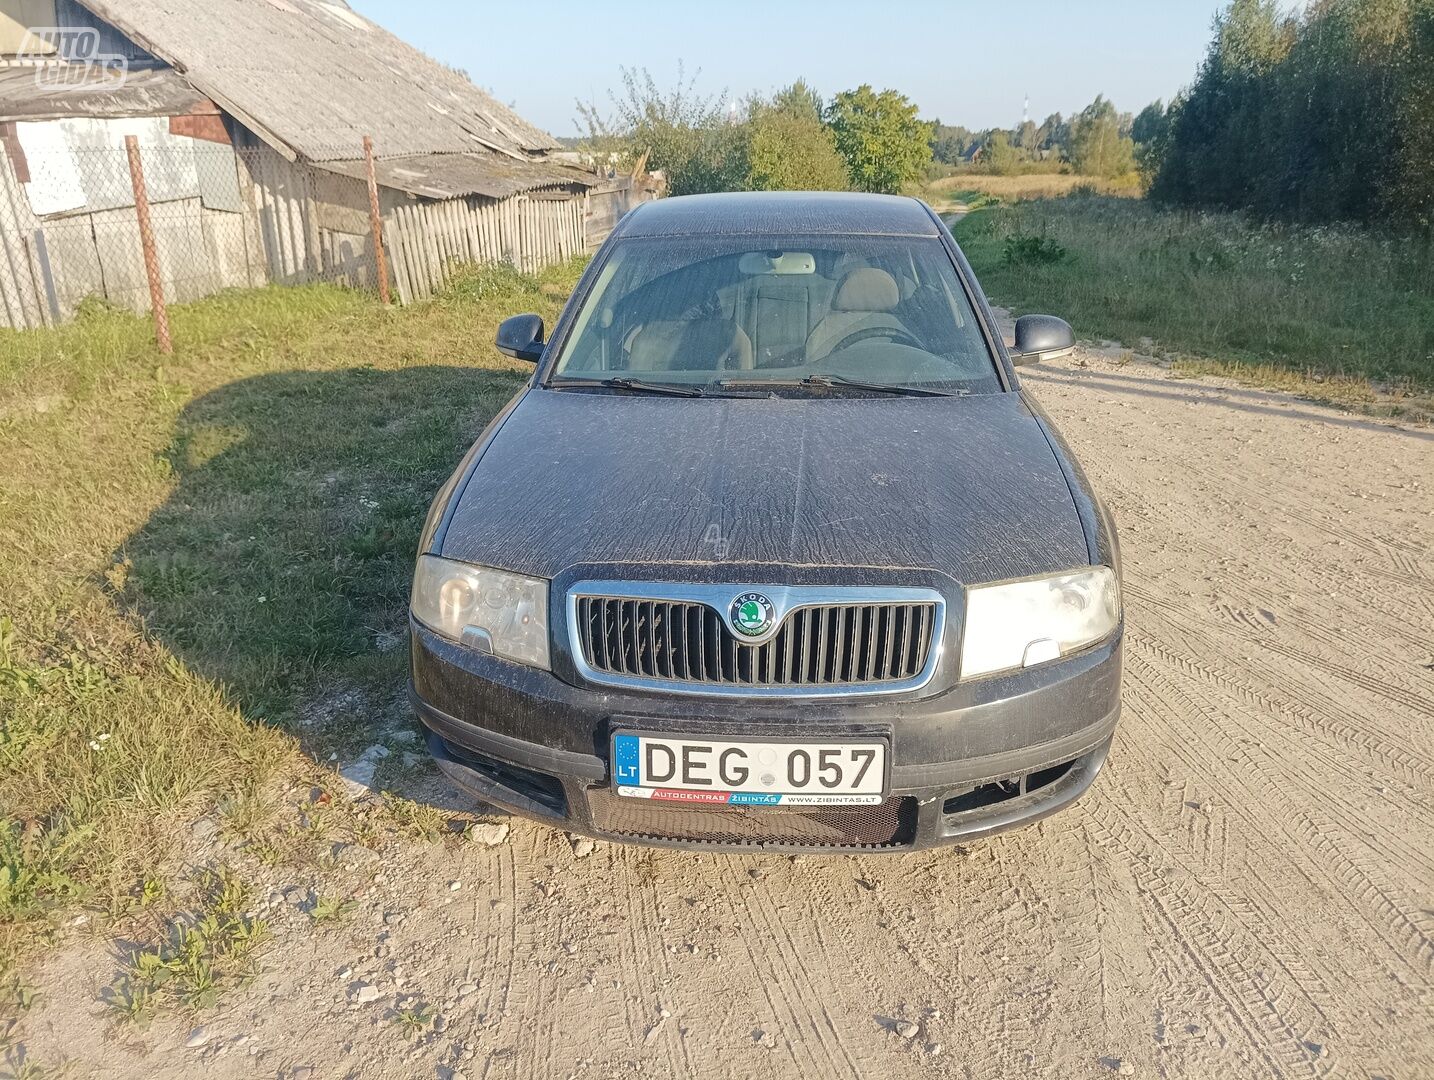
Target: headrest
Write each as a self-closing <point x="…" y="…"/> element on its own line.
<point x="867" y="289"/>
<point x="690" y="345"/>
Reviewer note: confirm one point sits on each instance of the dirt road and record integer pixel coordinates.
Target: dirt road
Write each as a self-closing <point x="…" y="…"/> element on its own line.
<point x="1246" y="891"/>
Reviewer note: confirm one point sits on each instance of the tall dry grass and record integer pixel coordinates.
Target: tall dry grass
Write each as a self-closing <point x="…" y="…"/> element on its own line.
<point x="966" y="187"/>
<point x="1328" y="300"/>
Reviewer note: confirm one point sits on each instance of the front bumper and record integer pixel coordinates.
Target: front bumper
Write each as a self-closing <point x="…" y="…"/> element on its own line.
<point x="967" y="761"/>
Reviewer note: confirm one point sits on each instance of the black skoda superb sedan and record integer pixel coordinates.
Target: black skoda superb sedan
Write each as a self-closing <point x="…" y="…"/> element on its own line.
<point x="772" y="550"/>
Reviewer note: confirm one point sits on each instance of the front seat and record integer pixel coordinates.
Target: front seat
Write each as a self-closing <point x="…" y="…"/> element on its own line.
<point x="863" y="300"/>
<point x="691" y="345"/>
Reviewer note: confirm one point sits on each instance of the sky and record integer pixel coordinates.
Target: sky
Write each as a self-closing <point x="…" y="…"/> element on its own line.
<point x="962" y="62"/>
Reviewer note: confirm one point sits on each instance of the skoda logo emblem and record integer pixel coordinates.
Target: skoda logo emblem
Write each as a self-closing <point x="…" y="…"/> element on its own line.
<point x="751" y="614"/>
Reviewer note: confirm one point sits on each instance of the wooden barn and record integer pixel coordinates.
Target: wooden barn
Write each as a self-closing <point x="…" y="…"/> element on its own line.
<point x="250" y="116"/>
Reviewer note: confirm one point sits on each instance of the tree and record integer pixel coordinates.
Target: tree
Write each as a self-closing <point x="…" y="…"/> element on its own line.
<point x="1323" y="115"/>
<point x="1150" y="132"/>
<point x="879" y="136"/>
<point x="789" y="147"/>
<point x="685" y="134"/>
<point x="1097" y="147"/>
<point x="1001" y="157"/>
<point x="1149" y="123"/>
<point x="949" y="143"/>
<point x="1053" y="134"/>
<point x="1412" y="193"/>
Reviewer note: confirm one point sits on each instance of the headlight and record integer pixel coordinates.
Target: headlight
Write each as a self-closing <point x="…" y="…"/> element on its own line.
<point x="1029" y="622"/>
<point x="507" y="614"/>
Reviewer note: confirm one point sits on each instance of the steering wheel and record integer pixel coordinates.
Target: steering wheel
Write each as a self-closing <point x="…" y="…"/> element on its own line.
<point x="895" y="334"/>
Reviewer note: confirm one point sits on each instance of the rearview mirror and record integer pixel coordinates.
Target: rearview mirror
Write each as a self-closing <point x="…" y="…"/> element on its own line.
<point x="1041" y="337"/>
<point x="521" y="337"/>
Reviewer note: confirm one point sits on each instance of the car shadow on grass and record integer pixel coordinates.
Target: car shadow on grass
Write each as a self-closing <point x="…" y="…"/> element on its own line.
<point x="280" y="566"/>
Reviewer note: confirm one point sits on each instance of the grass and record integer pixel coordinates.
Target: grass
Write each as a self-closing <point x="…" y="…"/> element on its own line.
<point x="418" y="821"/>
<point x="204" y="561"/>
<point x="973" y="191"/>
<point x="331" y="909"/>
<point x="414" y="1020"/>
<point x="17" y="1066"/>
<point x="198" y="956"/>
<point x="1342" y="305"/>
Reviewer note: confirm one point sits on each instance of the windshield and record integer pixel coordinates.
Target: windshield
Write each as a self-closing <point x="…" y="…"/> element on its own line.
<point x="694" y="311"/>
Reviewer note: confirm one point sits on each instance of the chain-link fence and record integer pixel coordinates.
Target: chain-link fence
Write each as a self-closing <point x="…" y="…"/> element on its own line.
<point x="145" y="220"/>
<point x="73" y="225"/>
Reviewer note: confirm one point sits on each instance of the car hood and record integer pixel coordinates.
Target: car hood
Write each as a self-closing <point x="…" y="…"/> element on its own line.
<point x="968" y="487"/>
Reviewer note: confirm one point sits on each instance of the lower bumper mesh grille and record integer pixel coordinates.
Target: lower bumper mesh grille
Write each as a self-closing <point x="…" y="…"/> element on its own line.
<point x="885" y="825"/>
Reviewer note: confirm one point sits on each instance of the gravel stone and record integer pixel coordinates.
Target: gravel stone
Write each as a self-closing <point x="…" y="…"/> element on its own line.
<point x="488" y="834"/>
<point x="358" y="777"/>
<point x="907" y="1029"/>
<point x="365" y="993"/>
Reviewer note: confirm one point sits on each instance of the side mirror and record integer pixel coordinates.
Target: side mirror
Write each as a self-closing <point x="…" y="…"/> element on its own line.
<point x="521" y="337"/>
<point x="1041" y="337"/>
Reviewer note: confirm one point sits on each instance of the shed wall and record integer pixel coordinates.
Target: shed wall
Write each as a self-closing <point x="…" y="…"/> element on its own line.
<point x="239" y="216"/>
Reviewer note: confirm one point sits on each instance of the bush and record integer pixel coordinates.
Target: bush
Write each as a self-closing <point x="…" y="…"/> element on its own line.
<point x="1039" y="250"/>
<point x="779" y="144"/>
<point x="790" y="149"/>
<point x="684" y="134"/>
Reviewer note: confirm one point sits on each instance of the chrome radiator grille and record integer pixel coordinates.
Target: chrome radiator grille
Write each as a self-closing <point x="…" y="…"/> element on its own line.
<point x="835" y="645"/>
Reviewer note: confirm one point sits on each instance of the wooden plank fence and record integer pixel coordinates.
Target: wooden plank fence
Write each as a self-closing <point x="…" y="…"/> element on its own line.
<point x="427" y="241"/>
<point x="288" y="223"/>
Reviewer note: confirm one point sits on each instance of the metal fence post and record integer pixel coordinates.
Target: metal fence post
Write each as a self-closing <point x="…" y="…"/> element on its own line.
<point x="146" y="239"/>
<point x="376" y="221"/>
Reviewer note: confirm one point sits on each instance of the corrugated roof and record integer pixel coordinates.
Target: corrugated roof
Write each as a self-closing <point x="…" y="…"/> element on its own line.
<point x="317" y="77"/>
<point x="444" y="176"/>
<point x="57" y="91"/>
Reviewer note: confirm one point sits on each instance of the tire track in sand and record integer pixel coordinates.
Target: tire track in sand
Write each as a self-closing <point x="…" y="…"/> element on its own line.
<point x="1238" y="795"/>
<point x="797" y="995"/>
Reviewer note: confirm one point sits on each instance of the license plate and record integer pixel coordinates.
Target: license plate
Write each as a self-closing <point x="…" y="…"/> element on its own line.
<point x="739" y="772"/>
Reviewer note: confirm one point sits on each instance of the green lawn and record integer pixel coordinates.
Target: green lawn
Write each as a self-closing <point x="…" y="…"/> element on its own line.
<point x="196" y="549"/>
<point x="1333" y="301"/>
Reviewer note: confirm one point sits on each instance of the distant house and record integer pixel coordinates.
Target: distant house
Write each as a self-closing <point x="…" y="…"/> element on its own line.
<point x="251" y="116"/>
<point x="973" y="154"/>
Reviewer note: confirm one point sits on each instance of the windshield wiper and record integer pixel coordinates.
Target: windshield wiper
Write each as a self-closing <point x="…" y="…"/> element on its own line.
<point x="854" y="384"/>
<point x="886" y="388"/>
<point x="635" y="385"/>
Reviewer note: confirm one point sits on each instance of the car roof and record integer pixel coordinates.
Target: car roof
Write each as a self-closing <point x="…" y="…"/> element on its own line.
<point x="781" y="213"/>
